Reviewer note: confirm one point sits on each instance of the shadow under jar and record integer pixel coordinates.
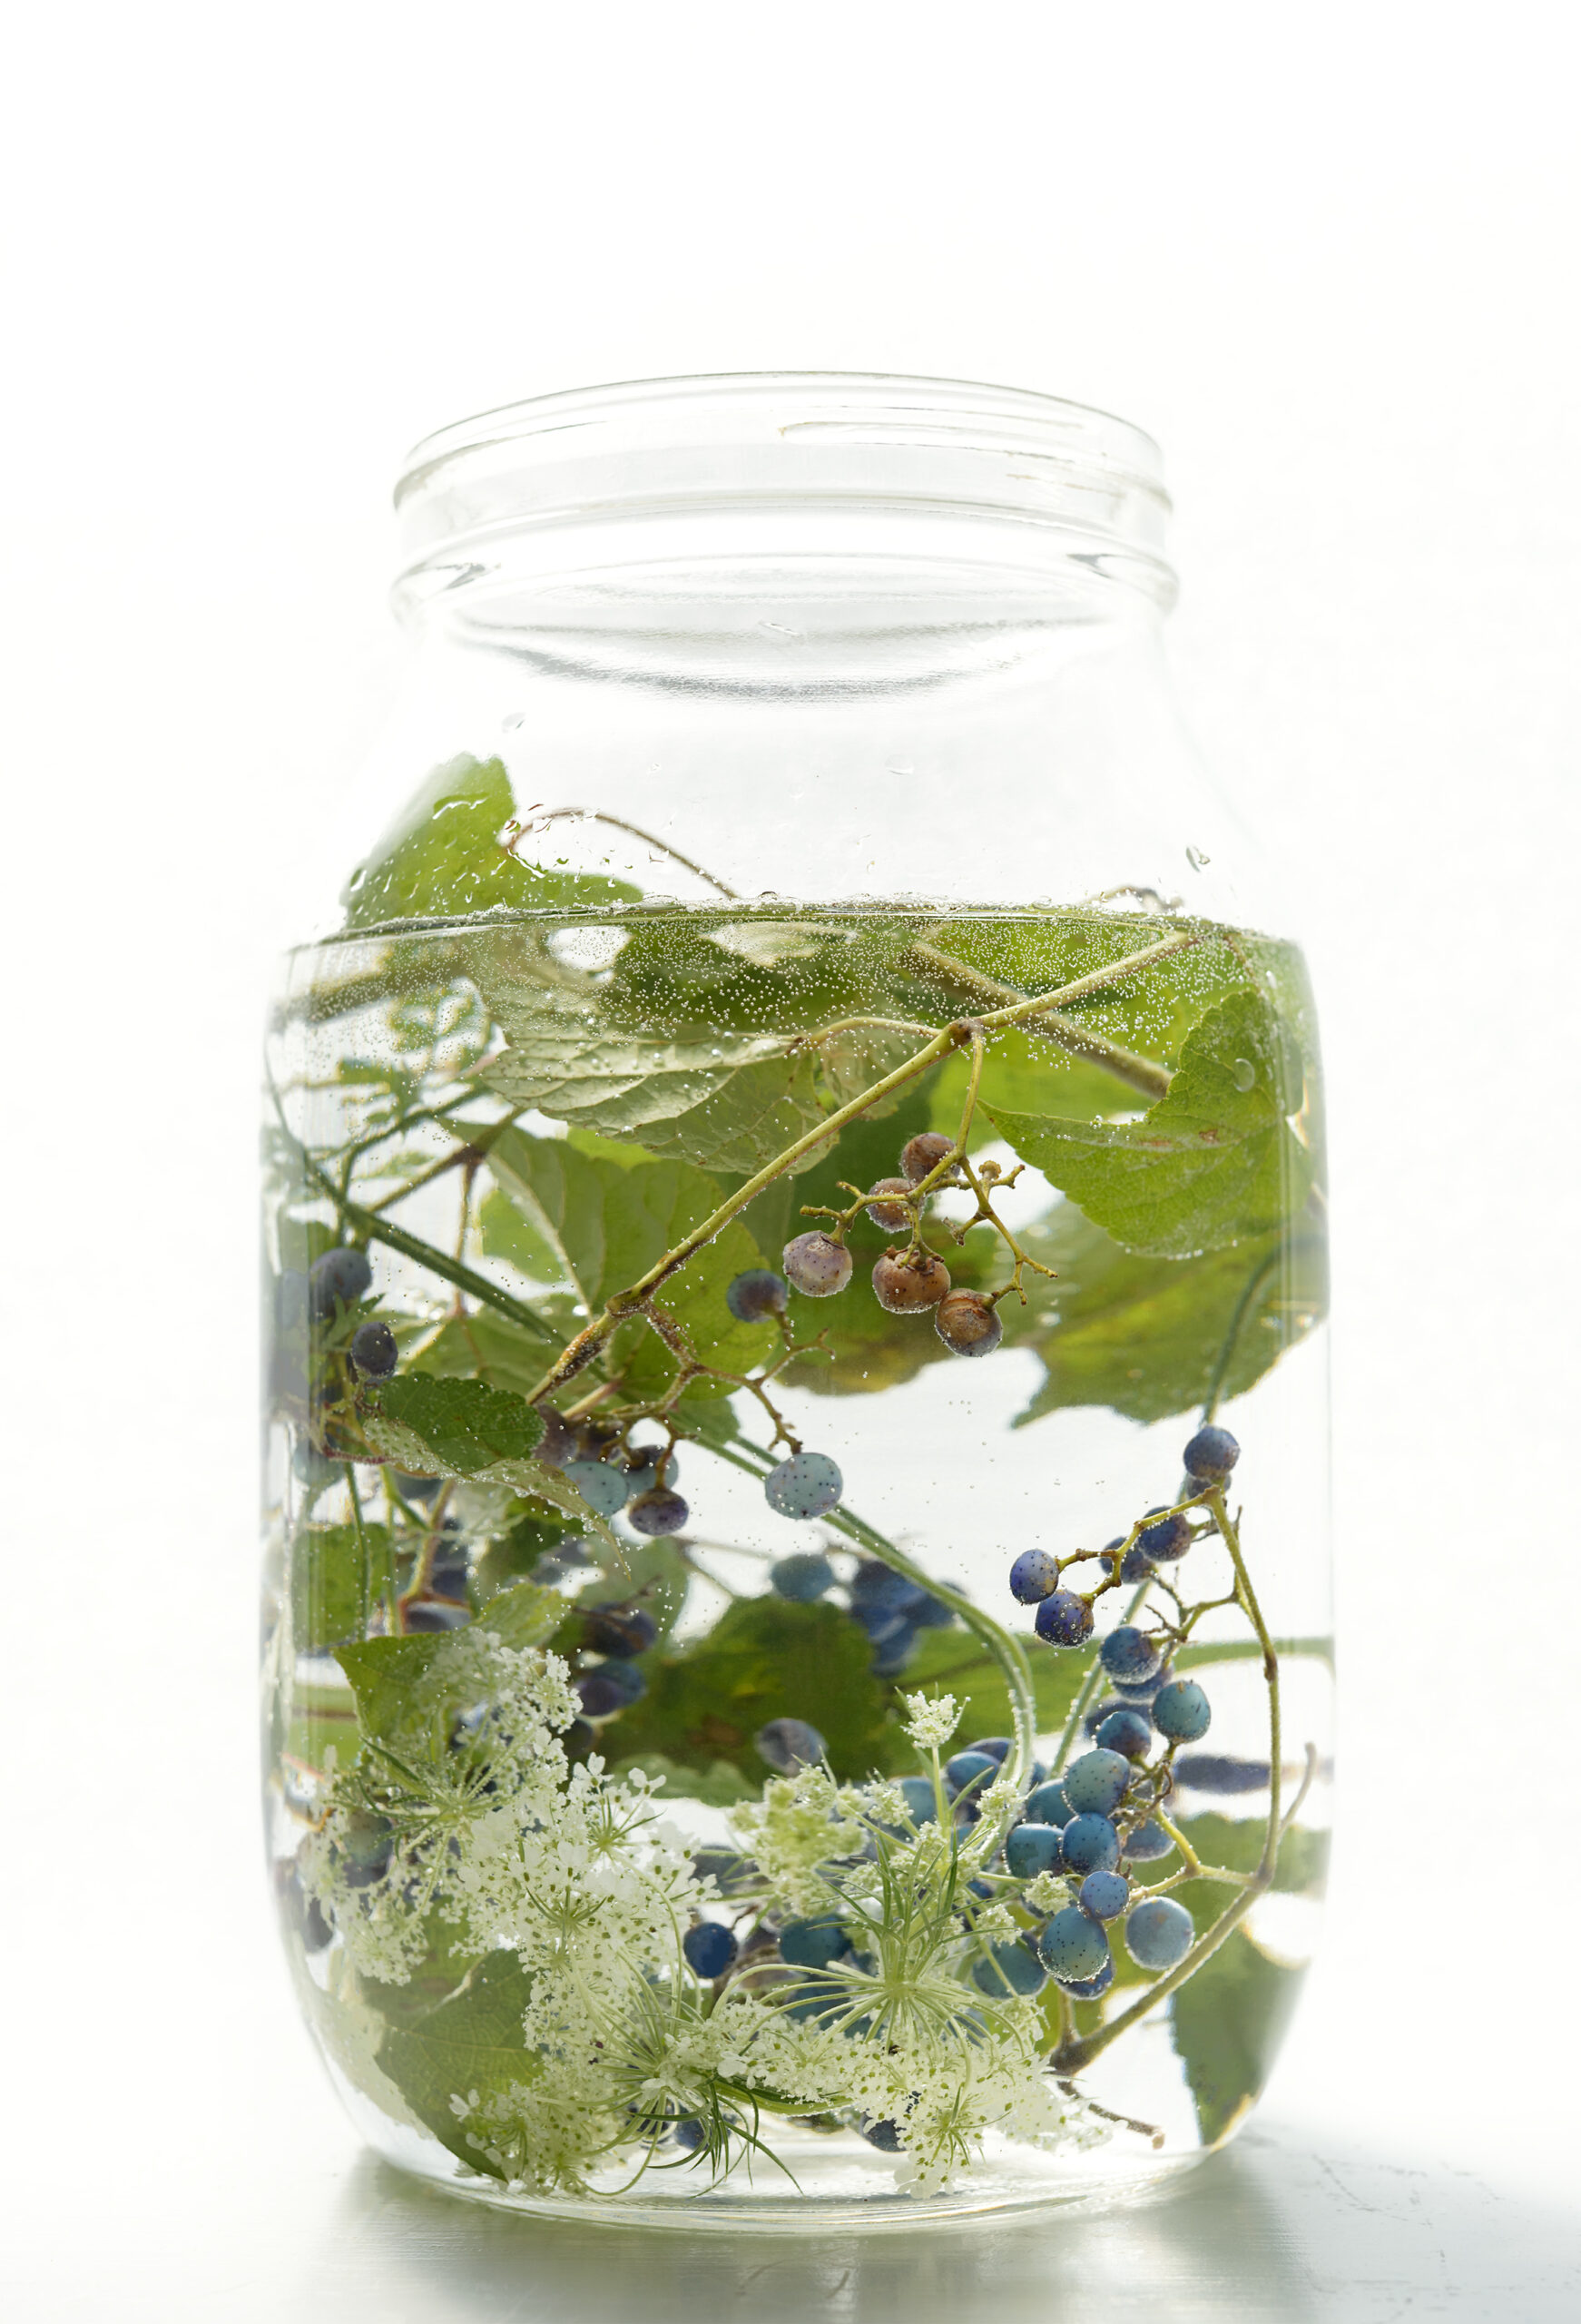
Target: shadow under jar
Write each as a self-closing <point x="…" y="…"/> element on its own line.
<point x="797" y="1658"/>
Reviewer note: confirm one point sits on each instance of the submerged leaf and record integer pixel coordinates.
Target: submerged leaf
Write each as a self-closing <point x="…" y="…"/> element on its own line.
<point x="1227" y="2023"/>
<point x="471" y="2046"/>
<point x="460" y="1427"/>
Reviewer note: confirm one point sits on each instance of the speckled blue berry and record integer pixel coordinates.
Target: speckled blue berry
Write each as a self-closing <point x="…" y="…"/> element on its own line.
<point x="1048" y="1804"/>
<point x="1158" y="1933"/>
<point x="659" y="1512"/>
<point x="1127" y="1731"/>
<point x="1010" y="1968"/>
<point x="1147" y="1844"/>
<point x="920" y="1804"/>
<point x="1145" y="1691"/>
<point x="1032" y="1848"/>
<point x="803" y="1577"/>
<point x="996" y="1748"/>
<point x="1089" y="1844"/>
<point x="1211" y="1455"/>
<point x="710" y="1949"/>
<point x="788" y="1744"/>
<point x="1104" y="1895"/>
<point x="338" y="1279"/>
<point x="1034" y="1576"/>
<point x="811" y="1944"/>
<point x="808" y="1484"/>
<point x="1135" y="1566"/>
<point x="1089" y="1988"/>
<point x="1063" y="1620"/>
<point x="970" y="1771"/>
<point x="1129" y="1656"/>
<point x="1094" y="1784"/>
<point x="1181" y="1712"/>
<point x="374" y="1352"/>
<point x="603" y="1484"/>
<point x="757" y="1294"/>
<point x="1073" y="1944"/>
<point x="1169" y="1539"/>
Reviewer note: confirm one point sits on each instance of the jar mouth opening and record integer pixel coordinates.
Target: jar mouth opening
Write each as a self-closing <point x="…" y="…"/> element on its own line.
<point x="811" y="445"/>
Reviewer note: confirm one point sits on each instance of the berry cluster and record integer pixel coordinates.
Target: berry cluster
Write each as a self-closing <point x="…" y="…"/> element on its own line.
<point x="908" y="1279"/>
<point x="891" y="1610"/>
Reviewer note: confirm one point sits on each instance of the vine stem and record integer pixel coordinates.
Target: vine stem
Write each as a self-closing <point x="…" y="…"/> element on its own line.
<point x="1073" y="2056"/>
<point x="957" y="1035"/>
<point x="1141" y="1073"/>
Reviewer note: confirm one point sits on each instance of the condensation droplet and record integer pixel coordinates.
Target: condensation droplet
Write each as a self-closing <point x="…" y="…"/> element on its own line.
<point x="1196" y="859"/>
<point x="1244" y="1073"/>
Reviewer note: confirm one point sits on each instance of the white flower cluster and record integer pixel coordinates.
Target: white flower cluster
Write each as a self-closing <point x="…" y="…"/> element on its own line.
<point x="931" y="1722"/>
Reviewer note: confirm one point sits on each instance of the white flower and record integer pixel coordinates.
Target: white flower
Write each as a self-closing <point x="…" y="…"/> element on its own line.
<point x="931" y="1723"/>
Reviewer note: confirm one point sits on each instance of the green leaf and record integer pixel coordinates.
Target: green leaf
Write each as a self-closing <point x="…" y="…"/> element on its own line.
<point x="533" y="1531"/>
<point x="486" y="1347"/>
<point x="405" y="1689"/>
<point x="1235" y="1843"/>
<point x="1226" y="2022"/>
<point x="722" y="1785"/>
<point x="524" y="1614"/>
<point x="473" y="2041"/>
<point x="444" y="1968"/>
<point x="462" y="1428"/>
<point x="764" y="1658"/>
<point x="1149" y="1337"/>
<point x="442" y="857"/>
<point x="326" y="1583"/>
<point x="1212" y="1163"/>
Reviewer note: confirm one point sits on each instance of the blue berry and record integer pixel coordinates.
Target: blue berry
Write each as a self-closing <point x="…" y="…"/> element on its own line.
<point x="710" y="1949"/>
<point x="970" y="1771"/>
<point x="808" y="1484"/>
<point x="412" y="1488"/>
<point x="367" y="1842"/>
<point x="1035" y="1575"/>
<point x="1211" y="1455"/>
<point x="788" y="1744"/>
<point x="802" y="1577"/>
<point x="1213" y="1771"/>
<point x="1180" y="1711"/>
<point x="1090" y="1844"/>
<point x="1135" y="1566"/>
<point x="931" y="1613"/>
<point x="339" y="1279"/>
<point x="1011" y="1966"/>
<point x="1147" y="1843"/>
<point x="1127" y="1731"/>
<point x="1129" y="1656"/>
<point x="1104" y="1895"/>
<point x="1146" y="1688"/>
<point x="608" y="1689"/>
<point x="603" y="1484"/>
<point x="885" y="2136"/>
<point x="374" y="1352"/>
<point x="1063" y="1620"/>
<point x="996" y="1748"/>
<point x="688" y="2134"/>
<point x="620" y="1630"/>
<point x="811" y="1944"/>
<point x="894" y="1651"/>
<point x="1094" y="1784"/>
<point x="1171" y="1538"/>
<point x="1047" y="1804"/>
<point x="1158" y="1933"/>
<point x="1073" y="1944"/>
<point x="757" y="1294"/>
<point x="920" y="1804"/>
<point x="658" y="1512"/>
<point x="1089" y="1988"/>
<point x="817" y="1266"/>
<point x="642" y="1472"/>
<point x="430" y="1615"/>
<point x="1032" y="1848"/>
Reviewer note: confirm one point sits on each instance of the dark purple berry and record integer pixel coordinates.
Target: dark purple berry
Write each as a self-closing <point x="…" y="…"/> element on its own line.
<point x="909" y="1282"/>
<point x="967" y="1324"/>
<point x="788" y="1744"/>
<point x="818" y="1266"/>
<point x="923" y="1154"/>
<point x="894" y="1217"/>
<point x="1035" y="1575"/>
<point x="608" y="1689"/>
<point x="1211" y="1455"/>
<point x="710" y="1949"/>
<point x="339" y="1279"/>
<point x="620" y="1630"/>
<point x="1135" y="1566"/>
<point x="1170" y="1538"/>
<point x="1065" y="1619"/>
<point x="1129" y="1656"/>
<point x="374" y="1352"/>
<point x="757" y="1294"/>
<point x="659" y="1512"/>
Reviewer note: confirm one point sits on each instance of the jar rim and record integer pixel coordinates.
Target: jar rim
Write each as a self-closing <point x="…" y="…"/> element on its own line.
<point x="830" y="441"/>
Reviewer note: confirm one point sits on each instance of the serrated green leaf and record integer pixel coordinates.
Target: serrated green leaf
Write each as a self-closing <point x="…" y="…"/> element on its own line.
<point x="473" y="2041"/>
<point x="523" y="1614"/>
<point x="405" y="1689"/>
<point x="764" y="1658"/>
<point x="489" y="1347"/>
<point x="1212" y="1163"/>
<point x="442" y="857"/>
<point x="327" y="1581"/>
<point x="1148" y="1337"/>
<point x="462" y="1428"/>
<point x="1226" y="2022"/>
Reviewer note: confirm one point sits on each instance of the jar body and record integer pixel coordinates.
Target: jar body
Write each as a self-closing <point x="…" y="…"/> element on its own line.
<point x="642" y="1502"/>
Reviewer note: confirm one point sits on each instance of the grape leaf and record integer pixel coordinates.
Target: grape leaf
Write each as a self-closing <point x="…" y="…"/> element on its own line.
<point x="1212" y="1163"/>
<point x="1147" y="1337"/>
<point x="327" y="1581"/>
<point x="473" y="2041"/>
<point x="488" y="1347"/>
<point x="460" y="1427"/>
<point x="524" y="1614"/>
<point x="1227" y="2022"/>
<point x="406" y="1688"/>
<point x="442" y="858"/>
<point x="764" y="1658"/>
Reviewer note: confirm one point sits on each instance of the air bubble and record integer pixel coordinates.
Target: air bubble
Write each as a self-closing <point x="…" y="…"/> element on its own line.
<point x="1244" y="1073"/>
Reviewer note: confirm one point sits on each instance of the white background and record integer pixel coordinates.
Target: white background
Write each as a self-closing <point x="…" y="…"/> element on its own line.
<point x="1327" y="255"/>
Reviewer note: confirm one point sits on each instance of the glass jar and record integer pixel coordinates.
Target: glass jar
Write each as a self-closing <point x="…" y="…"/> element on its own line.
<point x="797" y="1657"/>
